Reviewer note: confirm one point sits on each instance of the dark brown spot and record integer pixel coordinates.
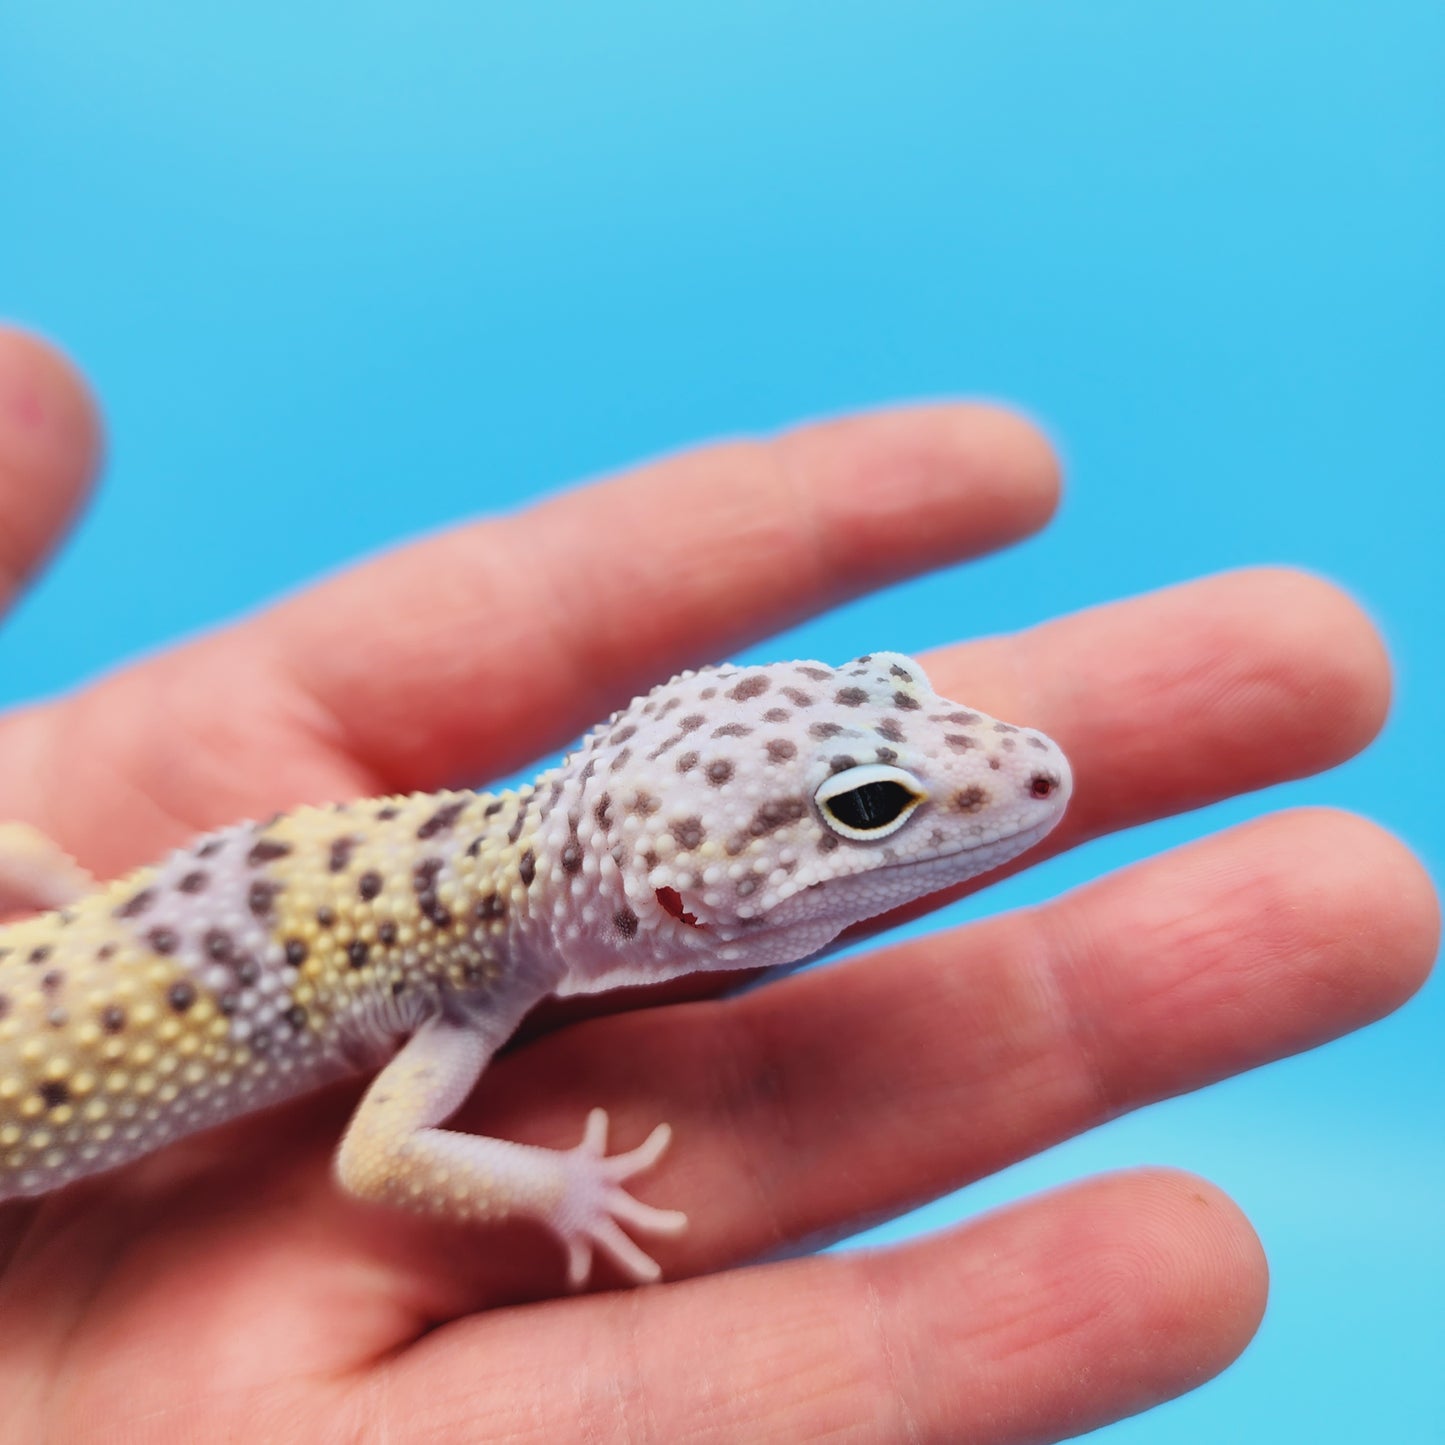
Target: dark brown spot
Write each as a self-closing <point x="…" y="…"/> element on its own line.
<point x="842" y="763"/>
<point x="325" y="916"/>
<point x="719" y="772"/>
<point x="889" y="729"/>
<point x="210" y="847"/>
<point x="267" y="850"/>
<point x="52" y="980"/>
<point x="618" y="736"/>
<point x="850" y="696"/>
<point x="776" y="715"/>
<point x="386" y="814"/>
<point x="1038" y="743"/>
<point x="368" y="885"/>
<point x="296" y="1017"/>
<point x="602" y="812"/>
<point x="747" y="885"/>
<point x="689" y="833"/>
<point x="135" y="906"/>
<point x="40" y="953"/>
<point x="959" y="742"/>
<point x="620" y="760"/>
<point x="248" y="971"/>
<point x="219" y="944"/>
<point x="424" y="875"/>
<point x="105" y="951"/>
<point x="625" y="922"/>
<point x="181" y="995"/>
<point x="780" y="750"/>
<point x="969" y="799"/>
<point x="494" y="807"/>
<point x="687" y="762"/>
<point x="357" y="951"/>
<point x="571" y="858"/>
<point x="4" y="1005"/>
<point x="55" y="1092"/>
<point x="753" y="686"/>
<point x="339" y="858"/>
<point x="112" y="1018"/>
<point x="163" y="940"/>
<point x="261" y="896"/>
<point x="386" y="933"/>
<point x="519" y="822"/>
<point x="1004" y="728"/>
<point x="824" y="730"/>
<point x="995" y="764"/>
<point x="962" y="719"/>
<point x="732" y="730"/>
<point x="818" y="674"/>
<point x="527" y="868"/>
<point x="906" y="702"/>
<point x="886" y="755"/>
<point x="442" y="819"/>
<point x="827" y="843"/>
<point x="295" y="952"/>
<point x="900" y="672"/>
<point x="434" y="910"/>
<point x="774" y="814"/>
<point x="489" y="907"/>
<point x="194" y="882"/>
<point x="692" y="722"/>
<point x="798" y="697"/>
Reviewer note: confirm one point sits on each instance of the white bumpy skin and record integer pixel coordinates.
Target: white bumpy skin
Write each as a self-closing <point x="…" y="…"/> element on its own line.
<point x="735" y="817"/>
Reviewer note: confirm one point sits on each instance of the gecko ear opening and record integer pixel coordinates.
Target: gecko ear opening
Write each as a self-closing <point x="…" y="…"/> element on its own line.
<point x="869" y="802"/>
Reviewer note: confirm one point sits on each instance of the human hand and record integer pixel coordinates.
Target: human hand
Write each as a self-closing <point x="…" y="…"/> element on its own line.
<point x="224" y="1289"/>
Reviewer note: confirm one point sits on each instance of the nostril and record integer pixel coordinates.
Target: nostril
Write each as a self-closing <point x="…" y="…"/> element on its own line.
<point x="1042" y="784"/>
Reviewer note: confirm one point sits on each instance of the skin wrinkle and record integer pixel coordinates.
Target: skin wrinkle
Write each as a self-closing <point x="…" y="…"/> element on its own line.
<point x="738" y="1067"/>
<point x="1056" y="960"/>
<point x="895" y="1391"/>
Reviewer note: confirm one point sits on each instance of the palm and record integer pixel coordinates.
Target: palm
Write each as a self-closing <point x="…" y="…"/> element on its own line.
<point x="224" y="1288"/>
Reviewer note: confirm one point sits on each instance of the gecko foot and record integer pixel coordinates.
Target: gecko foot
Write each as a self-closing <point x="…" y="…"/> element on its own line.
<point x="594" y="1204"/>
<point x="36" y="873"/>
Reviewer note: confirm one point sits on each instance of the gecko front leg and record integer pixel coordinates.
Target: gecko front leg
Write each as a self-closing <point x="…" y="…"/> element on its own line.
<point x="394" y="1154"/>
<point x="36" y="873"/>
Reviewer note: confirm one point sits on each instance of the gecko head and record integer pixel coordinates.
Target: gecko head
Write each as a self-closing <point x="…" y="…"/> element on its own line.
<point x="740" y="817"/>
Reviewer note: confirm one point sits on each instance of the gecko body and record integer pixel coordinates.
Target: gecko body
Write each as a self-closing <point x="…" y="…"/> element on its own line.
<point x="735" y="817"/>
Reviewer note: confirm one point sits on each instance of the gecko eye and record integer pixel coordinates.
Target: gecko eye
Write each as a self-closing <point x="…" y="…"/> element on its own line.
<point x="868" y="802"/>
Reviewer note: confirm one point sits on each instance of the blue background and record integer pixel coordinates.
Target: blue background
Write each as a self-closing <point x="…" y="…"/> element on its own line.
<point x="344" y="272"/>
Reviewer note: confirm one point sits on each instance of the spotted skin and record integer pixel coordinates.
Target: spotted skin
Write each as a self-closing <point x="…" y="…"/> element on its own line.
<point x="735" y="817"/>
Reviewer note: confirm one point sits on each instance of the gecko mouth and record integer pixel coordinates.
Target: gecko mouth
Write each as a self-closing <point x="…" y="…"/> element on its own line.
<point x="1024" y="837"/>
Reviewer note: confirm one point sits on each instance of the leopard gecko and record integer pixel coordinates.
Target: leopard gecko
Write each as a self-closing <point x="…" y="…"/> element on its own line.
<point x="734" y="818"/>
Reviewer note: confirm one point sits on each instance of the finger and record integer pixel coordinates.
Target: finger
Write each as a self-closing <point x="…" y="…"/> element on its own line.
<point x="1042" y="1321"/>
<point x="481" y="643"/>
<point x="478" y="649"/>
<point x="49" y="452"/>
<point x="825" y="1101"/>
<point x="1175" y="699"/>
